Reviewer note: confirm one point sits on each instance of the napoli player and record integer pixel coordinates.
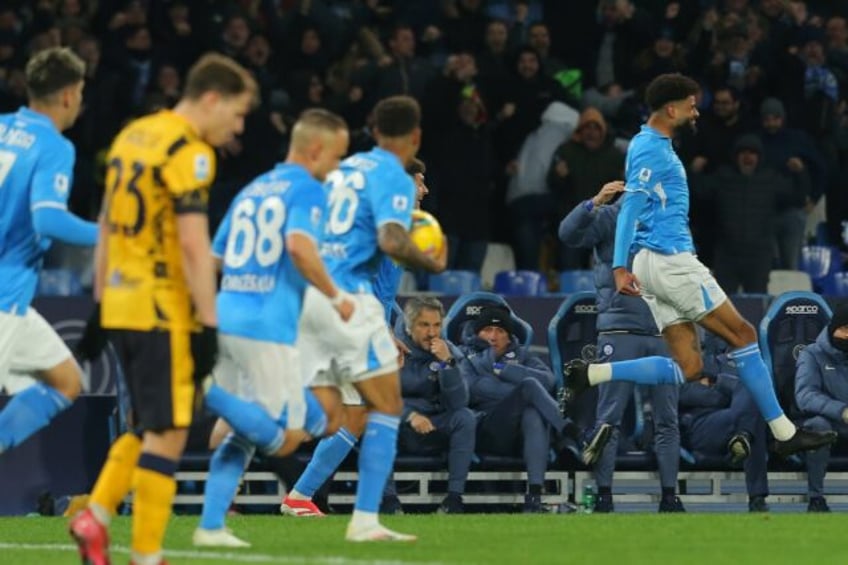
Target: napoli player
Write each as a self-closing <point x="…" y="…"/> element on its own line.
<point x="331" y="451"/>
<point x="268" y="244"/>
<point x="369" y="213"/>
<point x="36" y="168"/>
<point x="680" y="291"/>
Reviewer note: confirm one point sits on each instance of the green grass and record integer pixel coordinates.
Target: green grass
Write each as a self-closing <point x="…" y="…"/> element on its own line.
<point x="619" y="539"/>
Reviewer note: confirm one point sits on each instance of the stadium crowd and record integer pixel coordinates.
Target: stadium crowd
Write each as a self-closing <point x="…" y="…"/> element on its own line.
<point x="527" y="105"/>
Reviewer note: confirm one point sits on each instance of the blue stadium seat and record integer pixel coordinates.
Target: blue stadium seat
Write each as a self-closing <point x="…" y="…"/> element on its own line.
<point x="576" y="281"/>
<point x="455" y="282"/>
<point x="520" y="283"/>
<point x="821" y="263"/>
<point x="840" y="284"/>
<point x="793" y="321"/>
<point x="467" y="308"/>
<point x="59" y="282"/>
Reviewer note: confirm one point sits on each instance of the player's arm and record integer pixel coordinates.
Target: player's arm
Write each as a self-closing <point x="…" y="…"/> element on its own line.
<point x="306" y="258"/>
<point x="198" y="264"/>
<point x="395" y="242"/>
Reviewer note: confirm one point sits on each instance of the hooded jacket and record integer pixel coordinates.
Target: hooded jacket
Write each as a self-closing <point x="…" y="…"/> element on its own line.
<point x="426" y="387"/>
<point x="821" y="381"/>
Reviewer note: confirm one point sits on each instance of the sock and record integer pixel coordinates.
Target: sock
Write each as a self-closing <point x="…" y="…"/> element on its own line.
<point x="29" y="411"/>
<point x="155" y="489"/>
<point x="328" y="455"/>
<point x="755" y="376"/>
<point x="376" y="460"/>
<point x="115" y="478"/>
<point x="228" y="463"/>
<point x="248" y="419"/>
<point x="653" y="370"/>
<point x="316" y="420"/>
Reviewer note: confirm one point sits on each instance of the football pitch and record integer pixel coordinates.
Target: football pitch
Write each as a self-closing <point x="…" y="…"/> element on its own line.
<point x="624" y="539"/>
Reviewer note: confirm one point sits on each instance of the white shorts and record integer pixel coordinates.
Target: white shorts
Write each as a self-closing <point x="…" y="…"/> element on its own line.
<point x="264" y="372"/>
<point x="28" y="344"/>
<point x="678" y="288"/>
<point x="335" y="353"/>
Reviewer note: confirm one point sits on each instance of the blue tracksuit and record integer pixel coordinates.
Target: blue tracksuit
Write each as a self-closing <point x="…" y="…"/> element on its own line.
<point x="821" y="391"/>
<point x="626" y="330"/>
<point x="441" y="394"/>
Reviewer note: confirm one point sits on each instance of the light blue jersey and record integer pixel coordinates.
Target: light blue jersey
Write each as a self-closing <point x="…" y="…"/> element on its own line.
<point x="386" y="285"/>
<point x="653" y="169"/>
<point x="369" y="190"/>
<point x="261" y="289"/>
<point x="36" y="170"/>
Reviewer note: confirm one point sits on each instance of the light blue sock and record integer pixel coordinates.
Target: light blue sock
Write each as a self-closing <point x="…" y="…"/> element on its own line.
<point x="29" y="411"/>
<point x="376" y="460"/>
<point x="248" y="419"/>
<point x="316" y="419"/>
<point x="227" y="465"/>
<point x="648" y="371"/>
<point x="328" y="455"/>
<point x="755" y="376"/>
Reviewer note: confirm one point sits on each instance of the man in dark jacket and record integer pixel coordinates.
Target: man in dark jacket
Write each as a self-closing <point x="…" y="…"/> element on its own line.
<point x="436" y="417"/>
<point x="821" y="391"/>
<point x="511" y="388"/>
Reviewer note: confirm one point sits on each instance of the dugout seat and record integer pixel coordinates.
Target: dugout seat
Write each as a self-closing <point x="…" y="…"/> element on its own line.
<point x="467" y="307"/>
<point x="455" y="282"/>
<point x="520" y="283"/>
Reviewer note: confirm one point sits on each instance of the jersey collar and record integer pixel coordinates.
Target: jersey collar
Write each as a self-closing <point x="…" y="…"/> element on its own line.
<point x="653" y="132"/>
<point x="387" y="155"/>
<point x="31" y="115"/>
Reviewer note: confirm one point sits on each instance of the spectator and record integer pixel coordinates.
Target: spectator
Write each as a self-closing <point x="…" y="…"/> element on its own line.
<point x="747" y="198"/>
<point x="436" y="418"/>
<point x="579" y="166"/>
<point x="493" y="58"/>
<point x="511" y="388"/>
<point x="821" y="391"/>
<point x="626" y="330"/>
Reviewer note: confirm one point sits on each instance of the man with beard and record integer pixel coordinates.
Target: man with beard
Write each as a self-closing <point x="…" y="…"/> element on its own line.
<point x="653" y="227"/>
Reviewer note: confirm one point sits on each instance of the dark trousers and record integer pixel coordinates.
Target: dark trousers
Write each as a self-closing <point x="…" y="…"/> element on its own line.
<point x="748" y="272"/>
<point x="529" y="217"/>
<point x="710" y="433"/>
<point x="817" y="460"/>
<point x="466" y="254"/>
<point x="454" y="433"/>
<point x="521" y="423"/>
<point x="613" y="398"/>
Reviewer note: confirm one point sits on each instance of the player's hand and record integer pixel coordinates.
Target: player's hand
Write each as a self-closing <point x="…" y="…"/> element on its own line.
<point x="204" y="351"/>
<point x="421" y="424"/>
<point x="403" y="351"/>
<point x="343" y="304"/>
<point x="93" y="339"/>
<point x="626" y="282"/>
<point x="608" y="192"/>
<point x="440" y="350"/>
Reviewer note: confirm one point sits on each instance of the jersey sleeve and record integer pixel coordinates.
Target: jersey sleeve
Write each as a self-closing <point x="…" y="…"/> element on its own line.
<point x="306" y="211"/>
<point x="393" y="199"/>
<point x="188" y="175"/>
<point x="641" y="170"/>
<point x="53" y="175"/>
<point x="219" y="242"/>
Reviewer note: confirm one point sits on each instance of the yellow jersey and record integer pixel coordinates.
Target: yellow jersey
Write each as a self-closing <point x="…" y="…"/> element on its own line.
<point x="158" y="168"/>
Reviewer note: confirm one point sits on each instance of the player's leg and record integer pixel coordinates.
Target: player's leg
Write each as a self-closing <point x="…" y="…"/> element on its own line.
<point x="667" y="443"/>
<point x="29" y="344"/>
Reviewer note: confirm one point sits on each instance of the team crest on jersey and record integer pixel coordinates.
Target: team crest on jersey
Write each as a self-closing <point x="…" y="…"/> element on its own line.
<point x="644" y="174"/>
<point x="61" y="184"/>
<point x="400" y="202"/>
<point x="201" y="167"/>
<point x="315" y="216"/>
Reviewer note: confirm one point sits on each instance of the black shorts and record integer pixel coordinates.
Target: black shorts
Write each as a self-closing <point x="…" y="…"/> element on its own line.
<point x="158" y="371"/>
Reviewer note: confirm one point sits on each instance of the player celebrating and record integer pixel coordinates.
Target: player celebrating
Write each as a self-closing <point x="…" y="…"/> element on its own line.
<point x="268" y="244"/>
<point x="653" y="225"/>
<point x="36" y="167"/>
<point x="370" y="210"/>
<point x="155" y="275"/>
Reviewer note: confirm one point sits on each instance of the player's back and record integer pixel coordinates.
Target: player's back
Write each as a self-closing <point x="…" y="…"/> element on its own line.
<point x="157" y="168"/>
<point x="653" y="167"/>
<point x="36" y="162"/>
<point x="261" y="288"/>
<point x="369" y="190"/>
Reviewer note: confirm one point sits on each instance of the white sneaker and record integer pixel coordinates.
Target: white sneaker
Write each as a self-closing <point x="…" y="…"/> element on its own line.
<point x="376" y="532"/>
<point x="216" y="538"/>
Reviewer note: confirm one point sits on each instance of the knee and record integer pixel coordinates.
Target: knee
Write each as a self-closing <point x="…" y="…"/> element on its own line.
<point x="334" y="422"/>
<point x="463" y="419"/>
<point x="66" y="379"/>
<point x="531" y="388"/>
<point x="692" y="367"/>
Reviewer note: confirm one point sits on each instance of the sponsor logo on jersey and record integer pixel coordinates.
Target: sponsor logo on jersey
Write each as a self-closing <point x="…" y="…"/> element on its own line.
<point x="201" y="167"/>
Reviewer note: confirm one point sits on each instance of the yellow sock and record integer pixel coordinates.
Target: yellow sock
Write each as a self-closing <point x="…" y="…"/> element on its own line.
<point x="115" y="478"/>
<point x="155" y="489"/>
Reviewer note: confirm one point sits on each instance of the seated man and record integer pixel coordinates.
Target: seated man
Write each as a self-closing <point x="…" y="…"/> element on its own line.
<point x="821" y="391"/>
<point x="436" y="418"/>
<point x="512" y="389"/>
<point x="717" y="418"/>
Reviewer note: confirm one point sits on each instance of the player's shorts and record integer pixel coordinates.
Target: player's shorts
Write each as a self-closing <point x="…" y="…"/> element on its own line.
<point x="264" y="372"/>
<point x="333" y="352"/>
<point x="28" y="344"/>
<point x="159" y="374"/>
<point x="678" y="288"/>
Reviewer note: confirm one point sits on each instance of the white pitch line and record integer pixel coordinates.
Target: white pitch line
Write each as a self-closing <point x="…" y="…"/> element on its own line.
<point x="231" y="556"/>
